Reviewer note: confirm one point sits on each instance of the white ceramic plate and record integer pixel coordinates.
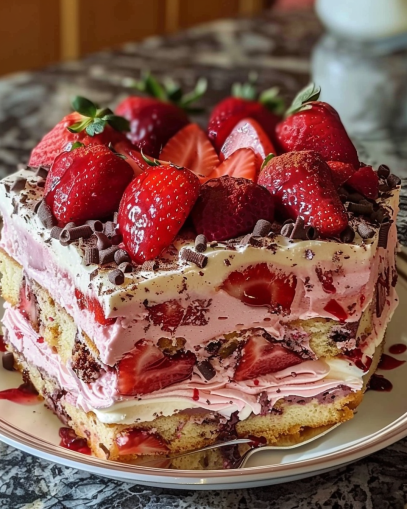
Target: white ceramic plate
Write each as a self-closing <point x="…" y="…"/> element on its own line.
<point x="381" y="420"/>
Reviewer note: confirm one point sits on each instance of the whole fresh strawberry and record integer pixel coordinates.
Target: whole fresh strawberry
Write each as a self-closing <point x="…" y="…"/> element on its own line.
<point x="154" y="208"/>
<point x="310" y="124"/>
<point x="302" y="185"/>
<point x="341" y="172"/>
<point x="266" y="110"/>
<point x="88" y="125"/>
<point x="154" y="120"/>
<point x="365" y="181"/>
<point x="228" y="207"/>
<point x="86" y="183"/>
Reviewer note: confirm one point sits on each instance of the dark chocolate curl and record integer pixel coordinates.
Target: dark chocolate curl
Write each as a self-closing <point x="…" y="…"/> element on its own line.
<point x="126" y="267"/>
<point x="201" y="243"/>
<point x="198" y="258"/>
<point x="207" y="370"/>
<point x="262" y="228"/>
<point x="71" y="234"/>
<point x="107" y="255"/>
<point x="383" y="171"/>
<point x="8" y="361"/>
<point x="46" y="216"/>
<point x="42" y="172"/>
<point x="55" y="232"/>
<point x="299" y="231"/>
<point x="116" y="277"/>
<point x="150" y="265"/>
<point x="103" y="242"/>
<point x="384" y="233"/>
<point x="287" y="229"/>
<point x="365" y="231"/>
<point x="121" y="256"/>
<point x="91" y="256"/>
<point x="96" y="225"/>
<point x="393" y="181"/>
<point x="365" y="208"/>
<point x="348" y="235"/>
<point x="311" y="233"/>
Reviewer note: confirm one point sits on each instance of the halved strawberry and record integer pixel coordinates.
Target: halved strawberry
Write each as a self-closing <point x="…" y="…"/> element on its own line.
<point x="341" y="172"/>
<point x="134" y="157"/>
<point x="248" y="134"/>
<point x="242" y="163"/>
<point x="146" y="369"/>
<point x="261" y="357"/>
<point x="167" y="315"/>
<point x="191" y="148"/>
<point x="257" y="285"/>
<point x="140" y="442"/>
<point x="365" y="181"/>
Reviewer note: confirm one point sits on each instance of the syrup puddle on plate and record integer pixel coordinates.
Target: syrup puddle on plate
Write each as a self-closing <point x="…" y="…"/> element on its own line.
<point x="25" y="394"/>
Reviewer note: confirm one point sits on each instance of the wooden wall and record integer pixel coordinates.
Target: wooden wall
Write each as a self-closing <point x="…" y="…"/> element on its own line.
<point x="39" y="32"/>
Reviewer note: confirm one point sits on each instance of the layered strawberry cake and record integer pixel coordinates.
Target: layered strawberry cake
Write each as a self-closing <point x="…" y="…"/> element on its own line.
<point x="234" y="282"/>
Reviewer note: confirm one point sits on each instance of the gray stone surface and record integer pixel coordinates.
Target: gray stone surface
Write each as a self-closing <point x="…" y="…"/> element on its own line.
<point x="279" y="48"/>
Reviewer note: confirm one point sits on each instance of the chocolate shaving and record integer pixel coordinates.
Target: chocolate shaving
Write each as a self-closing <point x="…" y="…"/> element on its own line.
<point x="365" y="208"/>
<point x="348" y="235"/>
<point x="365" y="231"/>
<point x="207" y="370"/>
<point x="380" y="298"/>
<point x="201" y="243"/>
<point x="91" y="256"/>
<point x="121" y="256"/>
<point x="55" y="232"/>
<point x="150" y="265"/>
<point x="392" y="180"/>
<point x="19" y="184"/>
<point x="116" y="277"/>
<point x="8" y="361"/>
<point x="93" y="274"/>
<point x="42" y="172"/>
<point x="79" y="232"/>
<point x="198" y="258"/>
<point x="107" y="255"/>
<point x="126" y="267"/>
<point x="384" y="233"/>
<point x="37" y="206"/>
<point x="96" y="225"/>
<point x="103" y="242"/>
<point x="213" y="243"/>
<point x="262" y="228"/>
<point x="287" y="229"/>
<point x="246" y="239"/>
<point x="383" y="171"/>
<point x="45" y="216"/>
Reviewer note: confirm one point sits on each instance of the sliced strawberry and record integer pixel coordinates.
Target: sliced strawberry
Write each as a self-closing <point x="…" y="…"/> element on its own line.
<point x="228" y="207"/>
<point x="341" y="172"/>
<point x="94" y="306"/>
<point x="134" y="157"/>
<point x="191" y="148"/>
<point x="257" y="285"/>
<point x="365" y="181"/>
<point x="153" y="209"/>
<point x="241" y="164"/>
<point x="261" y="357"/>
<point x="140" y="442"/>
<point x="167" y="315"/>
<point x="146" y="369"/>
<point x="248" y="134"/>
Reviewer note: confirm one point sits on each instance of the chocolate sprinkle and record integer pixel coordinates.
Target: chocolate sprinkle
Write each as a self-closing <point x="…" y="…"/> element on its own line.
<point x="201" y="243"/>
<point x="55" y="232"/>
<point x="365" y="231"/>
<point x="103" y="242"/>
<point x="126" y="267"/>
<point x="8" y="361"/>
<point x="42" y="172"/>
<point x="45" y="216"/>
<point x="287" y="229"/>
<point x="96" y="225"/>
<point x="19" y="184"/>
<point x="121" y="256"/>
<point x="107" y="255"/>
<point x="198" y="258"/>
<point x="365" y="208"/>
<point x="150" y="265"/>
<point x="262" y="228"/>
<point x="207" y="370"/>
<point x="91" y="256"/>
<point x="392" y="180"/>
<point x="116" y="277"/>
<point x="71" y="234"/>
<point x="348" y="235"/>
<point x="383" y="171"/>
<point x="384" y="233"/>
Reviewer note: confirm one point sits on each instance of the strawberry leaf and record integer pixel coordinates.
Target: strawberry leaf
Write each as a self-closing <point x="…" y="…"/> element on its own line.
<point x="150" y="162"/>
<point x="84" y="106"/>
<point x="77" y="144"/>
<point x="199" y="90"/>
<point x="266" y="160"/>
<point x="272" y="100"/>
<point x="173" y="90"/>
<point x="117" y="122"/>
<point x="96" y="127"/>
<point x="79" y="126"/>
<point x="310" y="93"/>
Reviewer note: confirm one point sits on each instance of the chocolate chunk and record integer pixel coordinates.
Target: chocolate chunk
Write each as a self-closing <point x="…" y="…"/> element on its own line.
<point x="383" y="171"/>
<point x="42" y="172"/>
<point x="55" y="232"/>
<point x="262" y="228"/>
<point x="103" y="242"/>
<point x="121" y="256"/>
<point x="19" y="184"/>
<point x="116" y="277"/>
<point x="8" y="361"/>
<point x="96" y="225"/>
<point x="150" y="265"/>
<point x="392" y="180"/>
<point x="79" y="232"/>
<point x="45" y="216"/>
<point x="364" y="208"/>
<point x="126" y="267"/>
<point x="384" y="188"/>
<point x="299" y="231"/>
<point x="365" y="231"/>
<point x="198" y="258"/>
<point x="107" y="255"/>
<point x="384" y="233"/>
<point x="287" y="229"/>
<point x="91" y="256"/>
<point x="207" y="370"/>
<point x="348" y="235"/>
<point x="201" y="243"/>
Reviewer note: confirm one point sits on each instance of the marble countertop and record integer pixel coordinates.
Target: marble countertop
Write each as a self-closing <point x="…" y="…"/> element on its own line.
<point x="285" y="50"/>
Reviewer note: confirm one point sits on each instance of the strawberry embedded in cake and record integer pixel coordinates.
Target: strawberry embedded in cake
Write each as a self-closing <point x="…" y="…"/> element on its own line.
<point x="176" y="287"/>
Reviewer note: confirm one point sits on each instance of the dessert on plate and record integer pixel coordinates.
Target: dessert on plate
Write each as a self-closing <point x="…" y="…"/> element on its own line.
<point x="235" y="282"/>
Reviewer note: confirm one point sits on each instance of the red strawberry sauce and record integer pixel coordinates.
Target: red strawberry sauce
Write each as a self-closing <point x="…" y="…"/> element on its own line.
<point x="195" y="396"/>
<point x="379" y="383"/>
<point x="2" y="344"/>
<point x="70" y="440"/>
<point x="398" y="349"/>
<point x="23" y="395"/>
<point x="388" y="362"/>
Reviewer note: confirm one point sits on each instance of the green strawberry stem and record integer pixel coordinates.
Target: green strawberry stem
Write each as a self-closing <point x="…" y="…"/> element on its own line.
<point x="94" y="119"/>
<point x="270" y="98"/>
<point x="310" y="93"/>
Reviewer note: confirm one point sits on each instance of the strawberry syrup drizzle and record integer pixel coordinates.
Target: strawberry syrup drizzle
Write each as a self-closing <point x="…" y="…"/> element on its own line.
<point x="71" y="441"/>
<point x="2" y="343"/>
<point x="195" y="396"/>
<point x="336" y="309"/>
<point x="380" y="384"/>
<point x="388" y="362"/>
<point x="23" y="395"/>
<point x="398" y="349"/>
